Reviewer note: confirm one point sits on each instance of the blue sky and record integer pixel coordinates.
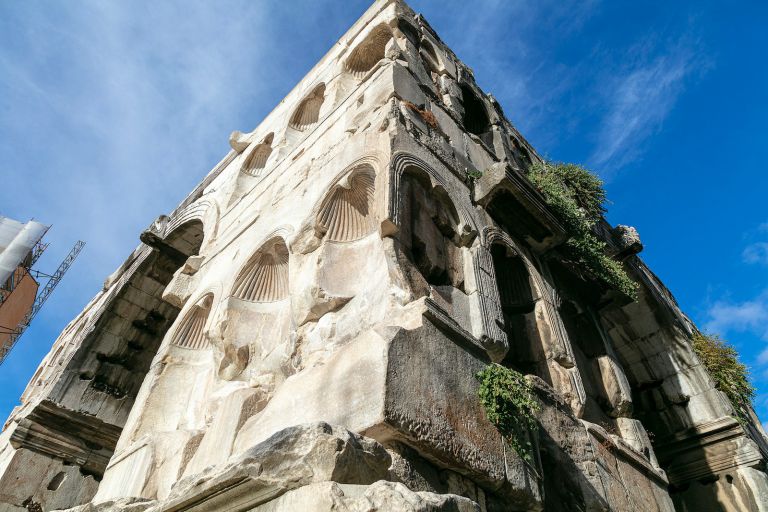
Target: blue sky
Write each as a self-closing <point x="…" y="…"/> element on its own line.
<point x="110" y="112"/>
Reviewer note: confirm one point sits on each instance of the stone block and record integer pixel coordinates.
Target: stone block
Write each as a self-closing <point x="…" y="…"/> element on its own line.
<point x="614" y="386"/>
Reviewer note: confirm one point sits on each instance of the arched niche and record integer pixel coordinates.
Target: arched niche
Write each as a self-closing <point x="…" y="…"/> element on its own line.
<point x="475" y="118"/>
<point x="256" y="322"/>
<point x="265" y="277"/>
<point x="257" y="159"/>
<point x="187" y="238"/>
<point x="608" y="394"/>
<point x="307" y="113"/>
<point x="191" y="330"/>
<point x="460" y="206"/>
<point x="369" y="52"/>
<point x="517" y="301"/>
<point x="348" y="211"/>
<point x="111" y="348"/>
<point x="204" y="211"/>
<point x="429" y="230"/>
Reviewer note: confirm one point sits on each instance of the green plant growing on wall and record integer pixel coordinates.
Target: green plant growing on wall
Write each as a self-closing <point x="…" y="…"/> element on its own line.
<point x="577" y="197"/>
<point x="511" y="405"/>
<point x="731" y="376"/>
<point x="473" y="174"/>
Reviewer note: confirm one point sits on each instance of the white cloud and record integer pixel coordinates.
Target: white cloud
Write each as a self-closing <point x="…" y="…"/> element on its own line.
<point x="756" y="253"/>
<point x="639" y="98"/>
<point x="746" y="316"/>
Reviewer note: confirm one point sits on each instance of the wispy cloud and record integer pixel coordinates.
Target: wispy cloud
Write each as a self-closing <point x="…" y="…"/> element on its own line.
<point x="756" y="253"/>
<point x="750" y="316"/>
<point x="757" y="249"/>
<point x="639" y="98"/>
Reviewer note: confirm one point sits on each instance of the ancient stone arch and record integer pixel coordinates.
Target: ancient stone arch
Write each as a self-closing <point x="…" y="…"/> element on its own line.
<point x="369" y="52"/>
<point x="203" y="213"/>
<point x="265" y="277"/>
<point x="466" y="227"/>
<point x="307" y="113"/>
<point x="241" y="399"/>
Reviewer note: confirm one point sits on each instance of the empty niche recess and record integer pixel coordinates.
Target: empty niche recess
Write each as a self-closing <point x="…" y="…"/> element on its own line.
<point x="429" y="57"/>
<point x="475" y="118"/>
<point x="308" y="112"/>
<point x="257" y="160"/>
<point x="265" y="277"/>
<point x="369" y="52"/>
<point x="190" y="333"/>
<point x="346" y="214"/>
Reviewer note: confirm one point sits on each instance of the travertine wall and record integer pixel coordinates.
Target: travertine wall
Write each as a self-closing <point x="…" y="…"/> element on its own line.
<point x="340" y="267"/>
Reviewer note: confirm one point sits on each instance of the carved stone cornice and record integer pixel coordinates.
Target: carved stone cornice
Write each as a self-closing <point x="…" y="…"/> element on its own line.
<point x="69" y="435"/>
<point x="542" y="228"/>
<point x="706" y="450"/>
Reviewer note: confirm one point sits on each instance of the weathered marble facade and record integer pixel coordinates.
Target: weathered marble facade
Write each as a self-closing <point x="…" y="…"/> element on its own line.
<point x="303" y="331"/>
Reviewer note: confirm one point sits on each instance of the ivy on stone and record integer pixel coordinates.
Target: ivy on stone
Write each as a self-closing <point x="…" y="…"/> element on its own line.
<point x="511" y="405"/>
<point x="473" y="174"/>
<point x="730" y="375"/>
<point x="577" y="197"/>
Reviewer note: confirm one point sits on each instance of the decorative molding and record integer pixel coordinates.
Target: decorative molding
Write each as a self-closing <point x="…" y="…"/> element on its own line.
<point x="265" y="276"/>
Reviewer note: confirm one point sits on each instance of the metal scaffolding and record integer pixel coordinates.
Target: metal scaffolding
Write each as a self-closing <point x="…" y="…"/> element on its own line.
<point x="53" y="280"/>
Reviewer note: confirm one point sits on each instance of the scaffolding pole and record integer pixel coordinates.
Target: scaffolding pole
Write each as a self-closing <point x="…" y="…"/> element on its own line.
<point x="40" y="300"/>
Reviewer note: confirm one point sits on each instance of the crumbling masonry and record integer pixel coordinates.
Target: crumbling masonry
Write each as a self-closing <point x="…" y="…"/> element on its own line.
<point x="303" y="332"/>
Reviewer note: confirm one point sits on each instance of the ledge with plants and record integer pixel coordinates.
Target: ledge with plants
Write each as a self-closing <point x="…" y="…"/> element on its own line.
<point x="730" y="375"/>
<point x="577" y="198"/>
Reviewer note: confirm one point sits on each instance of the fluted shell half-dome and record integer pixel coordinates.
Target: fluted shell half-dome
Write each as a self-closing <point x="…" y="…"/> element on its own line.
<point x="190" y="333"/>
<point x="265" y="277"/>
<point x="369" y="52"/>
<point x="257" y="160"/>
<point x="308" y="111"/>
<point x="347" y="213"/>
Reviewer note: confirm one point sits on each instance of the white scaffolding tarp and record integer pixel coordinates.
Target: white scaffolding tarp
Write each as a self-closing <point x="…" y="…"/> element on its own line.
<point x="16" y="240"/>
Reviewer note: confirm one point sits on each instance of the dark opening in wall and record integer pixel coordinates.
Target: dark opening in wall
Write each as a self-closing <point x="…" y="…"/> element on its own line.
<point x="515" y="218"/>
<point x="517" y="305"/>
<point x="430" y="232"/>
<point x="475" y="115"/>
<point x="56" y="481"/>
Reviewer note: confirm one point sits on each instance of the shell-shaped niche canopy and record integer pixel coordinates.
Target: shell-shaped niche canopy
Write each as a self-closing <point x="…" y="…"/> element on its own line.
<point x="347" y="212"/>
<point x="265" y="277"/>
<point x="257" y="160"/>
<point x="365" y="56"/>
<point x="308" y="111"/>
<point x="191" y="331"/>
